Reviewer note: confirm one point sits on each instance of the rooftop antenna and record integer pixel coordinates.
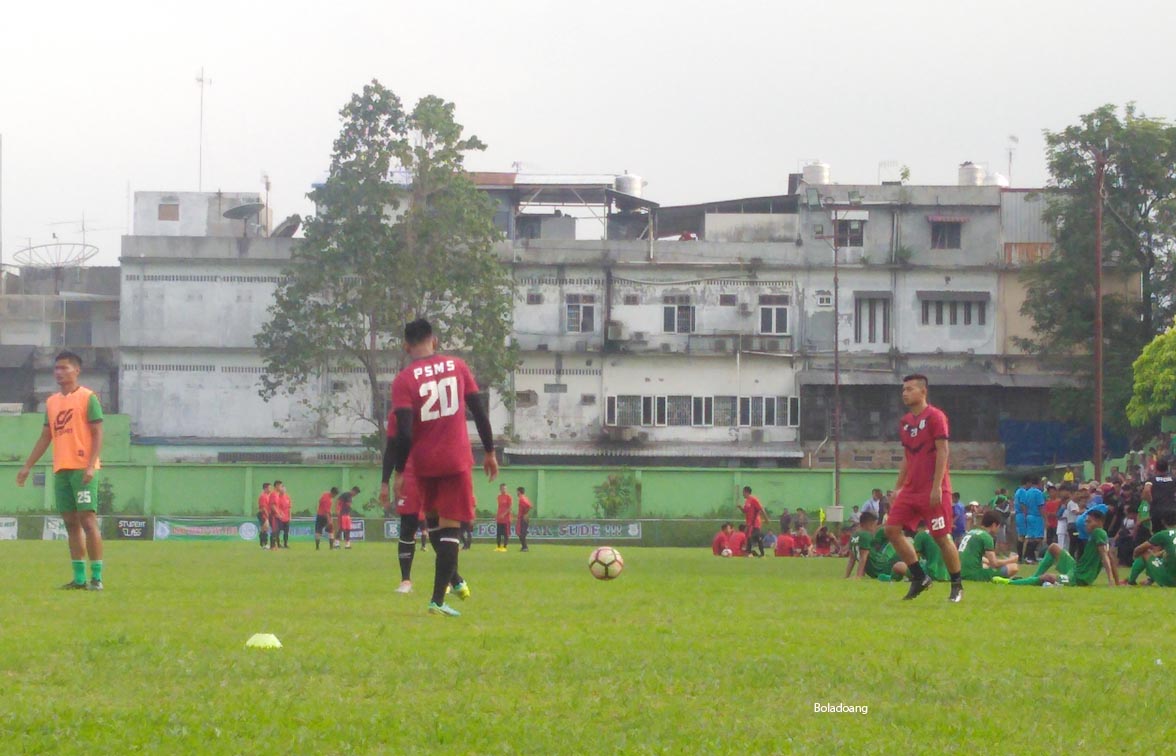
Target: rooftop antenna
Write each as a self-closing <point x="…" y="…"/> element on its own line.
<point x="1012" y="147"/>
<point x="202" y="81"/>
<point x="265" y="180"/>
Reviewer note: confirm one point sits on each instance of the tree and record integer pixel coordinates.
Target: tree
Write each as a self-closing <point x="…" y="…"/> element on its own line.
<point x="618" y="495"/>
<point x="399" y="232"/>
<point x="1155" y="380"/>
<point x="1139" y="239"/>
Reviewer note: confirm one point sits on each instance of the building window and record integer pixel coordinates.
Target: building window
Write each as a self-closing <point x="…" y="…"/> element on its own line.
<point x="851" y="233"/>
<point x="774" y="314"/>
<point x="728" y="300"/>
<point x="632" y="299"/>
<point x="623" y="410"/>
<point x="555" y="388"/>
<point x="726" y="408"/>
<point x="703" y="411"/>
<point x="824" y="299"/>
<point x="981" y="311"/>
<point x="679" y="410"/>
<point x="945" y="234"/>
<point x="677" y="314"/>
<point x="169" y="211"/>
<point x="647" y="410"/>
<point x="871" y="320"/>
<point x="953" y="313"/>
<point x="581" y="311"/>
<point x="524" y="399"/>
<point x="534" y="299"/>
<point x="587" y="399"/>
<point x="769" y="410"/>
<point x="937" y="311"/>
<point x="659" y="415"/>
<point x="744" y="411"/>
<point x="788" y="411"/>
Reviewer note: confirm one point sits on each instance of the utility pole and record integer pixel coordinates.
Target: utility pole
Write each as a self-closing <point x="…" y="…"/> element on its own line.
<point x="202" y="81"/>
<point x="1100" y="171"/>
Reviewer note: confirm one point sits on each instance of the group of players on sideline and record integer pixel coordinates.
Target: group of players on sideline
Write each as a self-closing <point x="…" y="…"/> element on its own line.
<point x="1079" y="529"/>
<point x="920" y="531"/>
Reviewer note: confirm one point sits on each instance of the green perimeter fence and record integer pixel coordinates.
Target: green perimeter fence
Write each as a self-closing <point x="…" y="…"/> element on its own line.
<point x="557" y="492"/>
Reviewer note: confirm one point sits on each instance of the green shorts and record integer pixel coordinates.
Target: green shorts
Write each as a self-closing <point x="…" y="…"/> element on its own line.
<point x="71" y="495"/>
<point x="1157" y="572"/>
<point x="872" y="571"/>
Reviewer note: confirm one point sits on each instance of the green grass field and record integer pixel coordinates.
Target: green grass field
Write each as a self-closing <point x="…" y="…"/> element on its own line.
<point x="684" y="654"/>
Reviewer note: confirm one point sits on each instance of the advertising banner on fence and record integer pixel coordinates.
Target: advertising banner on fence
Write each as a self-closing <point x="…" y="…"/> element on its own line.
<point x="54" y="529"/>
<point x="132" y="528"/>
<point x="205" y="529"/>
<point x="569" y="530"/>
<point x="7" y="528"/>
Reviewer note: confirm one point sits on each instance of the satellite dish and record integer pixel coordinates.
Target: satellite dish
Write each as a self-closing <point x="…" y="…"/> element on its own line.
<point x="243" y="213"/>
<point x="55" y="255"/>
<point x="288" y="227"/>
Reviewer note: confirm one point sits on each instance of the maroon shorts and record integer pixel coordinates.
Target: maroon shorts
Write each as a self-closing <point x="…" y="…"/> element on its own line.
<point x="908" y="510"/>
<point x="451" y="497"/>
<point x="345" y="523"/>
<point x="410" y="504"/>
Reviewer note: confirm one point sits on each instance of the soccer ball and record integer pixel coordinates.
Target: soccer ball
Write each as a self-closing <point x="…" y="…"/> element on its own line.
<point x="605" y="563"/>
<point x="725" y="552"/>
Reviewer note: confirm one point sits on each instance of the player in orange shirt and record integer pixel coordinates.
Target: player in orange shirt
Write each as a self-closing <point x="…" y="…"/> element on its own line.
<point x="322" y="518"/>
<point x="73" y="425"/>
<point x="282" y="514"/>
<point x="275" y="500"/>
<point x="524" y="525"/>
<point x="263" y="515"/>
<point x="502" y="519"/>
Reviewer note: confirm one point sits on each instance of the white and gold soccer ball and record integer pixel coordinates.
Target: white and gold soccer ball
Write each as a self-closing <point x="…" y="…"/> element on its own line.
<point x="605" y="563"/>
<point x="726" y="552"/>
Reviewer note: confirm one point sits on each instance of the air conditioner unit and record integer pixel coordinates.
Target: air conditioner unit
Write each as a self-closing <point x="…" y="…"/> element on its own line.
<point x="617" y="331"/>
<point x="541" y="348"/>
<point x="639" y="335"/>
<point x="667" y="347"/>
<point x="581" y="346"/>
<point x="744" y="309"/>
<point x="757" y="436"/>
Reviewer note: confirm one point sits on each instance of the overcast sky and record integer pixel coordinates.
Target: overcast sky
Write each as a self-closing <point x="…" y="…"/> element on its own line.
<point x="705" y="100"/>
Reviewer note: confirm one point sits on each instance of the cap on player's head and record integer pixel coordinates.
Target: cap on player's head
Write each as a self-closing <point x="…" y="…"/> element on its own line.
<point x="417" y="332"/>
<point x="922" y="379"/>
<point x="989" y="520"/>
<point x="70" y="357"/>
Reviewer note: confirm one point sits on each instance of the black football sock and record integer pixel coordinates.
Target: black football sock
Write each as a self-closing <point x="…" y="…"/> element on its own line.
<point x="262" y="538"/>
<point x="446" y="542"/>
<point x="407" y="547"/>
<point x="915" y="570"/>
<point x="955" y="577"/>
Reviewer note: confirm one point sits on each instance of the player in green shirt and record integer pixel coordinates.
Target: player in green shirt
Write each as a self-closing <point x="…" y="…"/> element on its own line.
<point x="929" y="556"/>
<point x="1158" y="558"/>
<point x="1095" y="557"/>
<point x="871" y="551"/>
<point x="978" y="552"/>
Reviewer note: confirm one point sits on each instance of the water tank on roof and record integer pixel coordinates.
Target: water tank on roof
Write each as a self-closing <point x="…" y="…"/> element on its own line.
<point x="971" y="174"/>
<point x="816" y="174"/>
<point x="628" y="184"/>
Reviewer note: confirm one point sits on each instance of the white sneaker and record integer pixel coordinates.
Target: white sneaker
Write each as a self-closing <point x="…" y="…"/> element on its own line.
<point x="404" y="587"/>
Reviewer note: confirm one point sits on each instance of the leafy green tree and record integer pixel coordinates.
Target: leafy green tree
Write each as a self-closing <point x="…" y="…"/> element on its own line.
<point x="1139" y="246"/>
<point x="1155" y="380"/>
<point x="399" y="232"/>
<point x="618" y="495"/>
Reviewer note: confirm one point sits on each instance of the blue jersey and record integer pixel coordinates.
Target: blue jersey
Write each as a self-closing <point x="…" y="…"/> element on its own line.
<point x="1034" y="503"/>
<point x="1081" y="521"/>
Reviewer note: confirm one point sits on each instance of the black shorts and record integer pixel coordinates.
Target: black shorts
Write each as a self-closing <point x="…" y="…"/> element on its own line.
<point x="321" y="523"/>
<point x="523" y="527"/>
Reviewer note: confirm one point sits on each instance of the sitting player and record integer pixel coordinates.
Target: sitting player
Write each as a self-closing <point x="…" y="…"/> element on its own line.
<point x="737" y="541"/>
<point x="721" y="545"/>
<point x="804" y="544"/>
<point x="978" y="552"/>
<point x="1158" y="558"/>
<point x="785" y="544"/>
<point x="1095" y="557"/>
<point x="930" y="557"/>
<point x="823" y="543"/>
<point x="871" y="551"/>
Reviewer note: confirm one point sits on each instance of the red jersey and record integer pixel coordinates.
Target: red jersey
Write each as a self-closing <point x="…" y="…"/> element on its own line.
<point x="504" y="502"/>
<point x="324" y="507"/>
<point x="802" y="543"/>
<point x="525" y="507"/>
<point x="784" y="545"/>
<point x="1051" y="512"/>
<point x="919" y="435"/>
<point x="736" y="543"/>
<point x="274" y="500"/>
<point x="721" y="542"/>
<point x="283" y="507"/>
<point x="263" y="503"/>
<point x="752" y="512"/>
<point x="435" y="388"/>
<point x="345" y="504"/>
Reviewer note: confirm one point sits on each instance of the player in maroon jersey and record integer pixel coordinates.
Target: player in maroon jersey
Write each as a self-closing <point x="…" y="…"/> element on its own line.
<point x="429" y="398"/>
<point x="923" y="491"/>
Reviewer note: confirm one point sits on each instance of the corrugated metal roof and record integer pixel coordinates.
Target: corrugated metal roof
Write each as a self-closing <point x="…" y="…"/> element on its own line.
<point x="1020" y="217"/>
<point x="708" y="451"/>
